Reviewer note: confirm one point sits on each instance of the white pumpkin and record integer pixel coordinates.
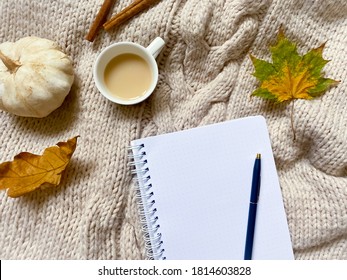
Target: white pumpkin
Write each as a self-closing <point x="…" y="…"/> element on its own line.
<point x="35" y="77"/>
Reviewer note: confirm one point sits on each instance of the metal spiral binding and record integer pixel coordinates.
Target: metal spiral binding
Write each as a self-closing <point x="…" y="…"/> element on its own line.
<point x="146" y="203"/>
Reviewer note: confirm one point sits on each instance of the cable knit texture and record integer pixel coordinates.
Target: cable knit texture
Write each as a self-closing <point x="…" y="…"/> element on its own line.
<point x="205" y="77"/>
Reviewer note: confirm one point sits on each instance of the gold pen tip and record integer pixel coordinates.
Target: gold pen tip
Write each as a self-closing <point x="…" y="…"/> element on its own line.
<point x="258" y="156"/>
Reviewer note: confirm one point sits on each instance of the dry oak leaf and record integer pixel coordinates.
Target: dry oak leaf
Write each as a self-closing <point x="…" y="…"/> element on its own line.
<point x="291" y="76"/>
<point x="28" y="172"/>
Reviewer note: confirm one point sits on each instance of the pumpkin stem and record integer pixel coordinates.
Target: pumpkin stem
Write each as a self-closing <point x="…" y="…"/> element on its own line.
<point x="9" y="63"/>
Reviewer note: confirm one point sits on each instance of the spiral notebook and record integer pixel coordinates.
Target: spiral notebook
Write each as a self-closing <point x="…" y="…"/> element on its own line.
<point x="194" y="190"/>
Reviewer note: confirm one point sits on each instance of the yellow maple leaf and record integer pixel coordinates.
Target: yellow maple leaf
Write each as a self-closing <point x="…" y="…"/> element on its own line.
<point x="291" y="76"/>
<point x="287" y="86"/>
<point x="28" y="172"/>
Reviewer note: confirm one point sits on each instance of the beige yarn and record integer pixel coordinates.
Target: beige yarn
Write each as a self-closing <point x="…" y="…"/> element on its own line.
<point x="205" y="77"/>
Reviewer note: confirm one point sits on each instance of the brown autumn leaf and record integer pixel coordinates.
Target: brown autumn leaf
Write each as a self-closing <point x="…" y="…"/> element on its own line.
<point x="28" y="172"/>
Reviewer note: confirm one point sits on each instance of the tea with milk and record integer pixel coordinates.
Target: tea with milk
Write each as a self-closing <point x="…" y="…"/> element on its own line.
<point x="128" y="76"/>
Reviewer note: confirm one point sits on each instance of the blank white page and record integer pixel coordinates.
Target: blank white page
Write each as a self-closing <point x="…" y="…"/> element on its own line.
<point x="201" y="182"/>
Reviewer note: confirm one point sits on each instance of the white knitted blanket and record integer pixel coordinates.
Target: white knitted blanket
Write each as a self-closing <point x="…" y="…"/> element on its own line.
<point x="205" y="77"/>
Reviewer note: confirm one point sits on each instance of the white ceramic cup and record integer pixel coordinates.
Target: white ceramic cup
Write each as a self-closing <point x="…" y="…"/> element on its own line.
<point x="148" y="54"/>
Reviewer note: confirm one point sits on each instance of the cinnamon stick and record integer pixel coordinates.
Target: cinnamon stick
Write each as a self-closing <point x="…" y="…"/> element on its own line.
<point x="133" y="9"/>
<point x="100" y="19"/>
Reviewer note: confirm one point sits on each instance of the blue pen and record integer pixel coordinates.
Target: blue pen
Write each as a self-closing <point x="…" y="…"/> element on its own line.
<point x="253" y="208"/>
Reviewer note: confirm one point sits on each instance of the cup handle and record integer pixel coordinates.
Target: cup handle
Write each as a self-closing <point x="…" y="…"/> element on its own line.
<point x="156" y="46"/>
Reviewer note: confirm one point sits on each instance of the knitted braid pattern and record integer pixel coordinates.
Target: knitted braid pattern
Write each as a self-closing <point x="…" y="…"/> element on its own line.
<point x="205" y="77"/>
